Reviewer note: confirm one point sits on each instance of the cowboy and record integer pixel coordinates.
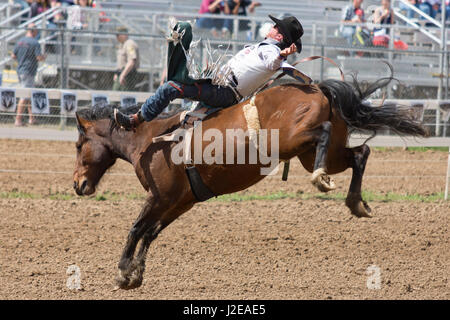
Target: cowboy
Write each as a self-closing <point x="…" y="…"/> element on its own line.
<point x="248" y="70"/>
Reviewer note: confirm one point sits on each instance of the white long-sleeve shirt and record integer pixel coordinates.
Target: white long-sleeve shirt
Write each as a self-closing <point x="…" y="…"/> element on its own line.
<point x="254" y="65"/>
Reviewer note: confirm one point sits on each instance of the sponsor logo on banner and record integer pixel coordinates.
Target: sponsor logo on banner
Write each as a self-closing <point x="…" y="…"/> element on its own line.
<point x="39" y="102"/>
<point x="7" y="100"/>
<point x="127" y="101"/>
<point x="100" y="99"/>
<point x="69" y="103"/>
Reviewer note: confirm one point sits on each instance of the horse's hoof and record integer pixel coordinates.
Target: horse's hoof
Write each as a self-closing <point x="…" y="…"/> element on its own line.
<point x="135" y="281"/>
<point x="358" y="207"/>
<point x="322" y="180"/>
<point x="122" y="281"/>
<point x="129" y="282"/>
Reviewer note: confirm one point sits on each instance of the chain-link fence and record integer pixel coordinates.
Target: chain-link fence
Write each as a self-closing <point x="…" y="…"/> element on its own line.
<point x="119" y="56"/>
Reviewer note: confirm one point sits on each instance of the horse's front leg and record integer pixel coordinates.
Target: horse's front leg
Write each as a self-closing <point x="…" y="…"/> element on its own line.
<point x="148" y="220"/>
<point x="320" y="178"/>
<point x="138" y="264"/>
<point x="354" y="201"/>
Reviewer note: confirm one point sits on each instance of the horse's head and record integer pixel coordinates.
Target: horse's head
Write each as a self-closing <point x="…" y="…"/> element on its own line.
<point x="94" y="154"/>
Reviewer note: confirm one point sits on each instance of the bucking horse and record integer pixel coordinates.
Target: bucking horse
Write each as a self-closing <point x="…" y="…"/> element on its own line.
<point x="313" y="122"/>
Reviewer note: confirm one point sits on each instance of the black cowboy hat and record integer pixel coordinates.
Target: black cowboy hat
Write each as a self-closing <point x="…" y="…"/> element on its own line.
<point x="291" y="29"/>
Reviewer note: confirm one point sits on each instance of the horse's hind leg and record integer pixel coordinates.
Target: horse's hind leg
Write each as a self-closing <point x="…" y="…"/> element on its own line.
<point x="320" y="178"/>
<point x="354" y="201"/>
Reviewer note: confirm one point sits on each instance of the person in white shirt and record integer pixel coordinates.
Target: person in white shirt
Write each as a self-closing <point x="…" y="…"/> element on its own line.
<point x="247" y="71"/>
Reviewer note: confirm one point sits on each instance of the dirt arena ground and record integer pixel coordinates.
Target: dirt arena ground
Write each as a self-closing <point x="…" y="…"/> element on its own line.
<point x="293" y="248"/>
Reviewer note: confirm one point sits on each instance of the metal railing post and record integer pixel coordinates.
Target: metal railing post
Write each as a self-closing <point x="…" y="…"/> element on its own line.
<point x="63" y="75"/>
<point x="314" y="37"/>
<point x="391" y="56"/>
<point x="235" y="33"/>
<point x="447" y="74"/>
<point x="8" y="14"/>
<point x="322" y="53"/>
<point x="441" y="66"/>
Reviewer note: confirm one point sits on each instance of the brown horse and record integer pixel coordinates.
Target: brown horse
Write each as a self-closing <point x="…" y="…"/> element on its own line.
<point x="313" y="123"/>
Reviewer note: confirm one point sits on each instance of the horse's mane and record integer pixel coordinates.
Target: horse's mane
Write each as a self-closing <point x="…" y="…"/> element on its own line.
<point x="106" y="111"/>
<point x="102" y="111"/>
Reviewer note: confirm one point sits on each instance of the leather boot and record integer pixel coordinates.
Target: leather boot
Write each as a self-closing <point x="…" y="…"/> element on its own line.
<point x="128" y="122"/>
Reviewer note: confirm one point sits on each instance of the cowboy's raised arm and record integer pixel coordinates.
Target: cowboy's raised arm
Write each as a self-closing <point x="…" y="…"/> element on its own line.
<point x="273" y="57"/>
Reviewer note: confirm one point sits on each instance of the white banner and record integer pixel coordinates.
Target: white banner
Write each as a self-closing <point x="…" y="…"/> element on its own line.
<point x="100" y="99"/>
<point x="39" y="102"/>
<point x="127" y="101"/>
<point x="7" y="100"/>
<point x="69" y="103"/>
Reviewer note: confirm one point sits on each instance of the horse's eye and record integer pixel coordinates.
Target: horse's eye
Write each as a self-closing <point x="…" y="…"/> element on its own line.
<point x="78" y="146"/>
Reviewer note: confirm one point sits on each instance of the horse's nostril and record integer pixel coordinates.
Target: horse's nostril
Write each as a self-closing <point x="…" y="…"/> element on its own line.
<point x="83" y="185"/>
<point x="75" y="185"/>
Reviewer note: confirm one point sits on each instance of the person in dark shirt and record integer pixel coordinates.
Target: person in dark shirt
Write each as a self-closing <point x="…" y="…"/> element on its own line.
<point x="239" y="7"/>
<point x="213" y="7"/>
<point x="28" y="53"/>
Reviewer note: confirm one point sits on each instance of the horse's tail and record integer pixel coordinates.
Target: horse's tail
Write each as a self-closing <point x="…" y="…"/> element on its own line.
<point x="349" y="100"/>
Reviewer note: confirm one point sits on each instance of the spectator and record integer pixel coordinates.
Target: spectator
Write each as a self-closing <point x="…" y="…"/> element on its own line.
<point x="77" y="19"/>
<point x="38" y="7"/>
<point x="410" y="13"/>
<point x="23" y="4"/>
<point x="433" y="7"/>
<point x="383" y="15"/>
<point x="127" y="62"/>
<point x="239" y="7"/>
<point x="66" y="3"/>
<point x="58" y="17"/>
<point x="214" y="7"/>
<point x="351" y="13"/>
<point x="27" y="52"/>
<point x="54" y="23"/>
<point x="429" y="7"/>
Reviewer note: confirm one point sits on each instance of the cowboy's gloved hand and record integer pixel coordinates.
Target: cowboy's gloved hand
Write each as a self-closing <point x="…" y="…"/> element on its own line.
<point x="288" y="51"/>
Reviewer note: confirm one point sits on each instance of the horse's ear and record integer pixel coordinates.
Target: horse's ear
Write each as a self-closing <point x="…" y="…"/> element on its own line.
<point x="82" y="124"/>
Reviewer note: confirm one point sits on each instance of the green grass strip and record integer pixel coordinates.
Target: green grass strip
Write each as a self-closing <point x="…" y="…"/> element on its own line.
<point x="415" y="149"/>
<point x="237" y="197"/>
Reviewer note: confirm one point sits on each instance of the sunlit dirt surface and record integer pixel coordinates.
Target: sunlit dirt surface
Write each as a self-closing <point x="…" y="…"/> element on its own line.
<point x="277" y="249"/>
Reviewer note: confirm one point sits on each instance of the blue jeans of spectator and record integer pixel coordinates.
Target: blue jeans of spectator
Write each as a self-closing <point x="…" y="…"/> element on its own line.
<point x="211" y="23"/>
<point x="348" y="33"/>
<point x="428" y="9"/>
<point x="410" y="13"/>
<point x="211" y="95"/>
<point x="447" y="12"/>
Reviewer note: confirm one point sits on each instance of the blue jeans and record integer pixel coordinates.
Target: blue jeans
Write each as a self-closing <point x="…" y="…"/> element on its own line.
<point x="219" y="24"/>
<point x="211" y="95"/>
<point x="428" y="9"/>
<point x="410" y="13"/>
<point x="348" y="33"/>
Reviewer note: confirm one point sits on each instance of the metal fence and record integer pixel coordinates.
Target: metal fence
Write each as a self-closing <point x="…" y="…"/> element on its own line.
<point x="84" y="62"/>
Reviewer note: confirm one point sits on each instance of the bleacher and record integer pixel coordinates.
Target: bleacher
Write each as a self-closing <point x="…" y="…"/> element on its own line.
<point x="147" y="22"/>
